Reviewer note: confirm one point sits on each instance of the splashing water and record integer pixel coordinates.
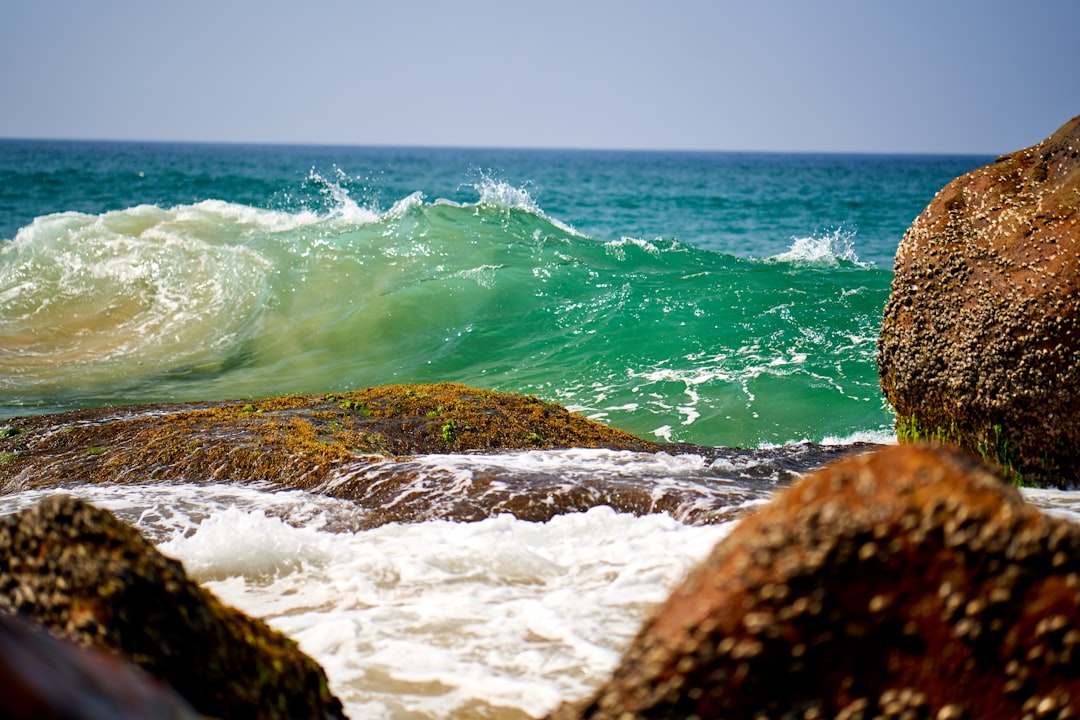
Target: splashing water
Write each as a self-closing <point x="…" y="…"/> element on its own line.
<point x="830" y="249"/>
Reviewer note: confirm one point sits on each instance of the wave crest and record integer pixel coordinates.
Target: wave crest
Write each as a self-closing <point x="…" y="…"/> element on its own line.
<point x="219" y="300"/>
<point x="127" y="292"/>
<point x="828" y="250"/>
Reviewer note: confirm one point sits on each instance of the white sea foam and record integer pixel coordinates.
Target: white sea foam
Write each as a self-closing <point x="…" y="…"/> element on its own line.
<point x="165" y="512"/>
<point x="442" y="619"/>
<point x="126" y="292"/>
<point x="877" y="437"/>
<point x="437" y="619"/>
<point x="257" y="546"/>
<point x="578" y="463"/>
<point x="617" y="248"/>
<point x="243" y="216"/>
<point x="1062" y="503"/>
<point x="496" y="618"/>
<point x="829" y="249"/>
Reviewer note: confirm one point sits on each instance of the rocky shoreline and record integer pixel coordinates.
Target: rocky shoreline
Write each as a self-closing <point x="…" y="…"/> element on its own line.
<point x="911" y="578"/>
<point x="907" y="582"/>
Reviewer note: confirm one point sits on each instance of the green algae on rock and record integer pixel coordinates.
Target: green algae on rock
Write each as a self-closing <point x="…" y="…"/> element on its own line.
<point x="980" y="341"/>
<point x="910" y="582"/>
<point x="87" y="577"/>
<point x="294" y="440"/>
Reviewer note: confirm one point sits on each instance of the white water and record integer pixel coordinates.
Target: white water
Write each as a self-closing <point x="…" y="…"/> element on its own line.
<point x="827" y="249"/>
<point x="498" y="618"/>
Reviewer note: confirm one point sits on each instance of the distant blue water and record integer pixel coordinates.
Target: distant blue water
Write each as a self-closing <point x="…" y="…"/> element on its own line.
<point x="725" y="299"/>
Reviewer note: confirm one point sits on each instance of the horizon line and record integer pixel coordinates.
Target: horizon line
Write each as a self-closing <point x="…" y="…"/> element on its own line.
<point x="539" y="148"/>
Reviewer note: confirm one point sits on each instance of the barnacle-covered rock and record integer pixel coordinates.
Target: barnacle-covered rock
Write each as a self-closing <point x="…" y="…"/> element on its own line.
<point x="910" y="582"/>
<point x="980" y="342"/>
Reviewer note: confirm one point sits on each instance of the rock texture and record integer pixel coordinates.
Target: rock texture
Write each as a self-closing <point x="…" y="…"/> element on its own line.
<point x="361" y="446"/>
<point x="908" y="583"/>
<point x="298" y="440"/>
<point x="87" y="577"/>
<point x="980" y="343"/>
<point x="46" y="678"/>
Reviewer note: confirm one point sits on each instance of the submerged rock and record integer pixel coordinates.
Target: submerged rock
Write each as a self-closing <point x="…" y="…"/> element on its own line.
<point x="87" y="577"/>
<point x="909" y="582"/>
<point x="45" y="678"/>
<point x="980" y="343"/>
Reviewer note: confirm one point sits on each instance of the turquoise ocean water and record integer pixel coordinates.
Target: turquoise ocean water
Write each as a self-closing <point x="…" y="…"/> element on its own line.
<point x="716" y="298"/>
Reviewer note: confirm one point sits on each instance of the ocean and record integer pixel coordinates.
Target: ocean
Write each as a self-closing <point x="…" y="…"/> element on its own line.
<point x="723" y="299"/>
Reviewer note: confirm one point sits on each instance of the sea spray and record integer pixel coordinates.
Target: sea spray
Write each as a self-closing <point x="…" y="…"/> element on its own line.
<point x="828" y="249"/>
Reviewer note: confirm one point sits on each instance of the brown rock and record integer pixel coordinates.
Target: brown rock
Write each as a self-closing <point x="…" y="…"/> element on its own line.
<point x="298" y="440"/>
<point x="980" y="343"/>
<point x="46" y="678"/>
<point x="910" y="582"/>
<point x="358" y="446"/>
<point x="87" y="577"/>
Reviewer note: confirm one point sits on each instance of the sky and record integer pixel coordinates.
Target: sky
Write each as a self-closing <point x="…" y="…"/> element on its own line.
<point x="917" y="76"/>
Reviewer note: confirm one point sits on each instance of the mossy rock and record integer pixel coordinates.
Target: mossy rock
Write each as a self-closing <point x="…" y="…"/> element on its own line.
<point x="297" y="440"/>
<point x="85" y="576"/>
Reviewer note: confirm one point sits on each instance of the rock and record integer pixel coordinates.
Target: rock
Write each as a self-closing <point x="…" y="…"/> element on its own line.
<point x="362" y="447"/>
<point x="297" y="440"/>
<point x="980" y="342"/>
<point x="87" y="577"/>
<point x="354" y="446"/>
<point x="910" y="582"/>
<point x="45" y="678"/>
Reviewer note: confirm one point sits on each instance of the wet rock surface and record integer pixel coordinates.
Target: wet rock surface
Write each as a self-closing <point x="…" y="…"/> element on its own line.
<point x="722" y="485"/>
<point x="86" y="577"/>
<point x="909" y="582"/>
<point x="378" y="448"/>
<point x="980" y="343"/>
<point x="295" y="440"/>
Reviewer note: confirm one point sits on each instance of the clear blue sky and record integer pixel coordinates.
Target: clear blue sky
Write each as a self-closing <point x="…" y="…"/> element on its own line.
<point x="774" y="75"/>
